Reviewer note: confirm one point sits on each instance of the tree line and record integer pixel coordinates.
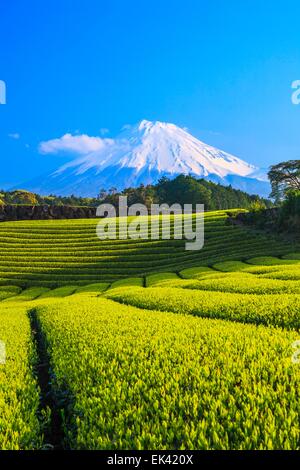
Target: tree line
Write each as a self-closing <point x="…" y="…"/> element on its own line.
<point x="182" y="190"/>
<point x="187" y="190"/>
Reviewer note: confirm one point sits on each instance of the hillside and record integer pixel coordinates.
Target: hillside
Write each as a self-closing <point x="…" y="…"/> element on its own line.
<point x="61" y="252"/>
<point x="107" y="339"/>
<point x="107" y="364"/>
<point x="182" y="189"/>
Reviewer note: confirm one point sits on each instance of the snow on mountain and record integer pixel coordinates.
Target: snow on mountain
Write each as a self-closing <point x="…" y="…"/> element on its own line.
<point x="144" y="153"/>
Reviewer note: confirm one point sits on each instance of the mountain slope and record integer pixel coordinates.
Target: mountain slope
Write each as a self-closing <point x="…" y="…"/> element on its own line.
<point x="144" y="153"/>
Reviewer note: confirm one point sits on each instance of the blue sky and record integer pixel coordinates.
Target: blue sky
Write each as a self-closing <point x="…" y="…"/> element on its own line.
<point x="223" y="69"/>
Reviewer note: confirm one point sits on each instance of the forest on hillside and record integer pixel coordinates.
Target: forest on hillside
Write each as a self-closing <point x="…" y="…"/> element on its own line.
<point x="183" y="190"/>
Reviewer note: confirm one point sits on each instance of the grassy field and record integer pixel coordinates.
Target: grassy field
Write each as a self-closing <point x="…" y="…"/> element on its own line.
<point x="142" y="345"/>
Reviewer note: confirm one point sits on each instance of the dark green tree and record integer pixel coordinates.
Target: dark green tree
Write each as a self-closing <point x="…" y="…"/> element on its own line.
<point x="283" y="177"/>
<point x="183" y="190"/>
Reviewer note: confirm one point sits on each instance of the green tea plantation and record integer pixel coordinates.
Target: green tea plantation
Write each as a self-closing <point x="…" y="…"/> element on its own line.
<point x="140" y="344"/>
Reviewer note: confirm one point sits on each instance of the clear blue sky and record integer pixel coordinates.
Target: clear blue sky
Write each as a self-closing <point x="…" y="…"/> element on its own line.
<point x="221" y="68"/>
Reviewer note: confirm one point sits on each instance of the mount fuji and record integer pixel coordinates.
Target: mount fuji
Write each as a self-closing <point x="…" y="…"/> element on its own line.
<point x="144" y="153"/>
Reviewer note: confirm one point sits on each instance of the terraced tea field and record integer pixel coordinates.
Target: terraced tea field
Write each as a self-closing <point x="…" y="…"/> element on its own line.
<point x="142" y="345"/>
<point x="57" y="253"/>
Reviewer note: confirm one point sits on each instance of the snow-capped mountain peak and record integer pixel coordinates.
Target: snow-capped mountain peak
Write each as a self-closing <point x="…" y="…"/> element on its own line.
<point x="142" y="154"/>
